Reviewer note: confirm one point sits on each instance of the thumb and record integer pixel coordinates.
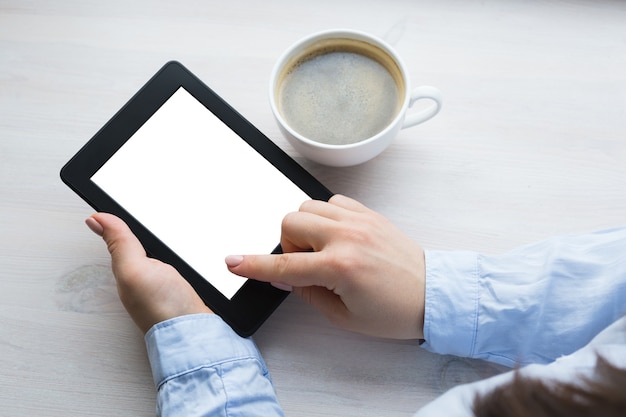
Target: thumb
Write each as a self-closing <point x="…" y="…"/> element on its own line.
<point x="124" y="247"/>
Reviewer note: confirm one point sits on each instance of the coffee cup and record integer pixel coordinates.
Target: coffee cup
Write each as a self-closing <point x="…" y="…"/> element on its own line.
<point x="341" y="96"/>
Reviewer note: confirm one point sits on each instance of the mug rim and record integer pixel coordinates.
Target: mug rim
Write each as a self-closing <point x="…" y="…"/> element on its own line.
<point x="348" y="34"/>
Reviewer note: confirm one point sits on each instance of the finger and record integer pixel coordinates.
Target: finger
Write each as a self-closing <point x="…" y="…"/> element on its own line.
<point x="337" y="208"/>
<point x="324" y="300"/>
<point x="348" y="203"/>
<point x="303" y="231"/>
<point x="298" y="269"/>
<point x="323" y="209"/>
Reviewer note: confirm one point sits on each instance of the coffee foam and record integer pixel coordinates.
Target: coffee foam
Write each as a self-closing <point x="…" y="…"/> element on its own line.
<point x="340" y="91"/>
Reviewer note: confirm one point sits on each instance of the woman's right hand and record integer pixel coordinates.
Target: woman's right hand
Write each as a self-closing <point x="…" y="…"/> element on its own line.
<point x="350" y="263"/>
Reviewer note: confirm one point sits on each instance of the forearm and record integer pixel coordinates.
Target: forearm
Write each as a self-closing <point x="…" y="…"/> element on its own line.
<point x="202" y="368"/>
<point x="530" y="305"/>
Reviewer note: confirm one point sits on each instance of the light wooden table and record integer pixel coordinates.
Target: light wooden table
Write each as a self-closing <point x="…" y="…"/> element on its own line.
<point x="530" y="143"/>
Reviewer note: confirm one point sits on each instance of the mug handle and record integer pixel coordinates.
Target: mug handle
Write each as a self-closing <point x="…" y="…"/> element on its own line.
<point x="420" y="93"/>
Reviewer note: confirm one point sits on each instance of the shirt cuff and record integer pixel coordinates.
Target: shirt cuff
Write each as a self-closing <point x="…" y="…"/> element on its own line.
<point x="186" y="343"/>
<point x="451" y="305"/>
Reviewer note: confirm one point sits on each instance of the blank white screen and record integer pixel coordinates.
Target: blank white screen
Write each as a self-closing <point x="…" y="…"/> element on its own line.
<point x="202" y="190"/>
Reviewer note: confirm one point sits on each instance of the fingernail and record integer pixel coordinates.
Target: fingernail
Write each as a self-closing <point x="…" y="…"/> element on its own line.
<point x="233" y="260"/>
<point x="283" y="287"/>
<point x="94" y="226"/>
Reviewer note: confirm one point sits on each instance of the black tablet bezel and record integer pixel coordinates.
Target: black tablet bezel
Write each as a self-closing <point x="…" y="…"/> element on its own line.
<point x="255" y="301"/>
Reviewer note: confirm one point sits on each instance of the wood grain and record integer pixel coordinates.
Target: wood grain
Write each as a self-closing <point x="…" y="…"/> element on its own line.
<point x="530" y="143"/>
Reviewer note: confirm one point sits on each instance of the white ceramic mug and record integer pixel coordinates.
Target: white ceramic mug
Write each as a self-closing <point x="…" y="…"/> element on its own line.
<point x="366" y="148"/>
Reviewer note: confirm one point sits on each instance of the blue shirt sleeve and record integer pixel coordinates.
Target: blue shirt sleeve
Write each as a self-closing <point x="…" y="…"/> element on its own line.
<point x="530" y="305"/>
<point x="201" y="367"/>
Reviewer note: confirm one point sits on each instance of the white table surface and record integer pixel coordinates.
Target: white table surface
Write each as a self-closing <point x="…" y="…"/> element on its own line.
<point x="530" y="143"/>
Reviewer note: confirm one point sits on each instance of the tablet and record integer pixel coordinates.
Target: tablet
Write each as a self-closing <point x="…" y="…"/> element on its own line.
<point x="195" y="181"/>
